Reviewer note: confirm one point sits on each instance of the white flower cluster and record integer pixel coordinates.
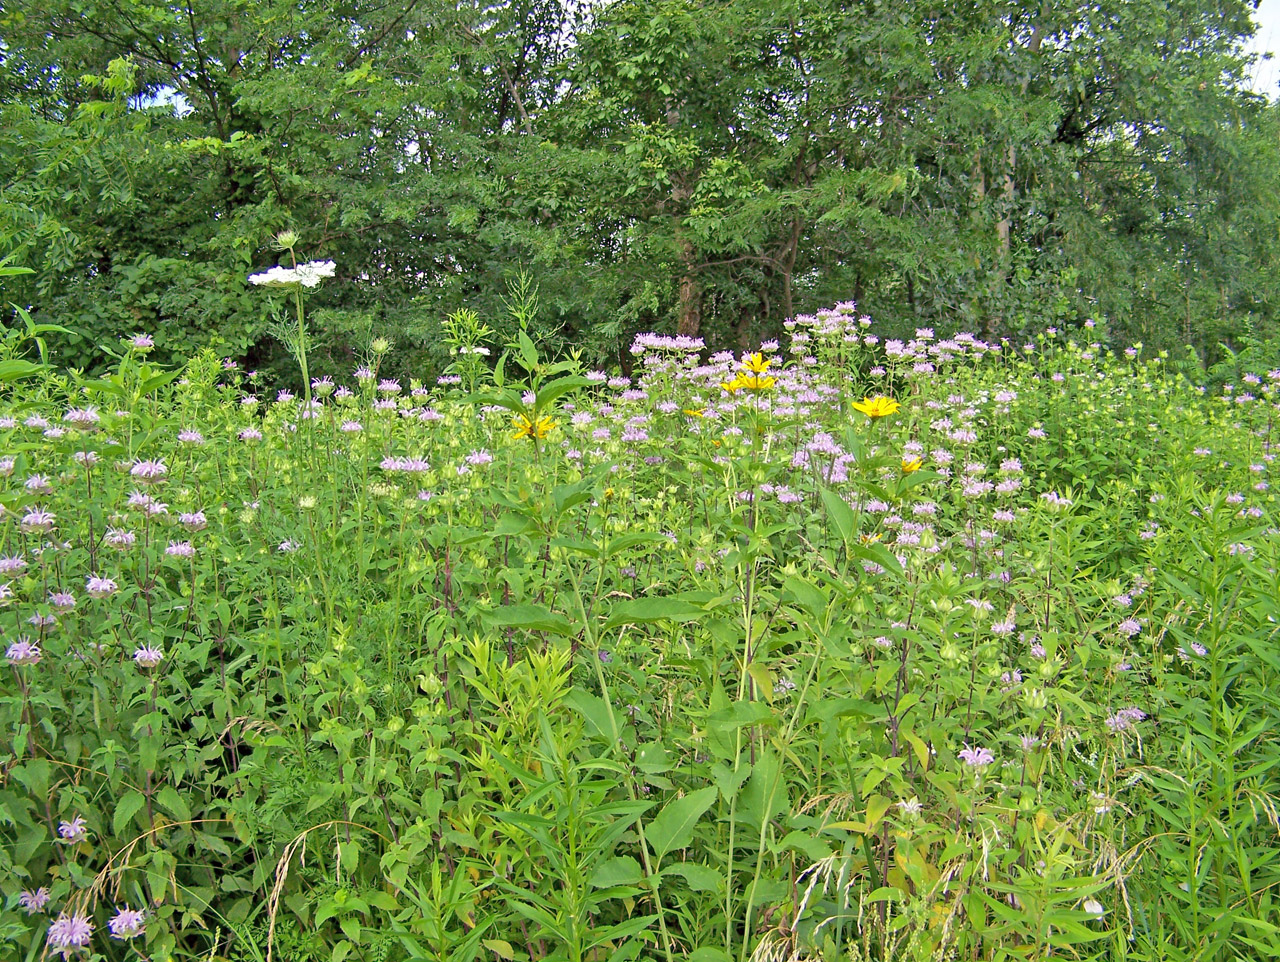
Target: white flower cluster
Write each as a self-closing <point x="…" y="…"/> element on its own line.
<point x="308" y="275"/>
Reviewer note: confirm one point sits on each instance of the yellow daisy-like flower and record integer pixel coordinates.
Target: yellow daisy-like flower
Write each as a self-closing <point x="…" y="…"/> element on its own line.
<point x="876" y="407"/>
<point x="915" y="464"/>
<point x="870" y="538"/>
<point x="734" y="386"/>
<point x="530" y="428"/>
<point x="696" y="412"/>
<point x="754" y="382"/>
<point x="756" y="363"/>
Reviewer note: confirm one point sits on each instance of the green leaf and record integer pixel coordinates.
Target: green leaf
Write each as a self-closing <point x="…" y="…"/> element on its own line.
<point x="16" y="369"/>
<point x="842" y="517"/>
<point x="699" y="876"/>
<point x="623" y="870"/>
<point x="126" y="808"/>
<point x="672" y="828"/>
<point x="176" y="805"/>
<point x="647" y="610"/>
<point x="708" y="954"/>
<point x="501" y="949"/>
<point x="740" y="714"/>
<point x="530" y="618"/>
<point x="652" y="758"/>
<point x="556" y="389"/>
<point x="595" y="710"/>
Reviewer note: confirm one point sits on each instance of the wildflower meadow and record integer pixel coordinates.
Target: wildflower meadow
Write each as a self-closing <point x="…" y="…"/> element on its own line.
<point x="840" y="647"/>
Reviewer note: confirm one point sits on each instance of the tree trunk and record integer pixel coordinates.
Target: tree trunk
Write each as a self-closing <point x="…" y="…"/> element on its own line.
<point x="1004" y="263"/>
<point x="689" y="321"/>
<point x="690" y="318"/>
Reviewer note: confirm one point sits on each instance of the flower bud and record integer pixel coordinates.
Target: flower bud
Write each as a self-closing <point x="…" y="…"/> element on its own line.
<point x="1036" y="699"/>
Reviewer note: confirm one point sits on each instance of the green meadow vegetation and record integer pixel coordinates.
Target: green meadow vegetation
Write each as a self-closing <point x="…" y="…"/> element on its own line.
<point x="638" y="481"/>
<point x="846" y="648"/>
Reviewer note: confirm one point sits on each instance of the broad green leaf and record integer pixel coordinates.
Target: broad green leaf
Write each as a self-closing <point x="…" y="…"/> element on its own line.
<point x="700" y="877"/>
<point x="672" y="828"/>
<point x="842" y="517"/>
<point x="648" y="610"/>
<point x="595" y="710"/>
<point x="556" y="389"/>
<point x="530" y="618"/>
<point x="624" y="870"/>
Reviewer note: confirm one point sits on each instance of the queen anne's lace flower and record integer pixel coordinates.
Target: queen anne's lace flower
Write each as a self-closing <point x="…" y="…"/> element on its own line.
<point x="308" y="275"/>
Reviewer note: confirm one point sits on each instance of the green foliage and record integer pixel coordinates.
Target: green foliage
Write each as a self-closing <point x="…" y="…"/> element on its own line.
<point x="702" y="670"/>
<point x="711" y="168"/>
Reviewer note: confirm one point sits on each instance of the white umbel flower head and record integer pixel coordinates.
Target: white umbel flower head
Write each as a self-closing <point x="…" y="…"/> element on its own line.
<point x="308" y="275"/>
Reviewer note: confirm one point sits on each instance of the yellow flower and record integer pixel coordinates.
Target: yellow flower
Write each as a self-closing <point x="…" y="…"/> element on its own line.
<point x="754" y="382"/>
<point x="756" y="363"/>
<point x="876" y="407"/>
<point x="870" y="538"/>
<point x="696" y="412"/>
<point x="527" y="427"/>
<point x="915" y="464"/>
<point x="734" y="386"/>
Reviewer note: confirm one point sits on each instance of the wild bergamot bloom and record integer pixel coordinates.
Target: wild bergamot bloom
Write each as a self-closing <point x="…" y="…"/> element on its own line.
<point x="531" y="428"/>
<point x="876" y="407"/>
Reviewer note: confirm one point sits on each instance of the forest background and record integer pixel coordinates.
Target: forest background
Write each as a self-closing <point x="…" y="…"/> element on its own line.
<point x="710" y="167"/>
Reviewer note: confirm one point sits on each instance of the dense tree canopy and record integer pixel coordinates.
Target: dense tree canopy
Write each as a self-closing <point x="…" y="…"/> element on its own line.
<point x="712" y="166"/>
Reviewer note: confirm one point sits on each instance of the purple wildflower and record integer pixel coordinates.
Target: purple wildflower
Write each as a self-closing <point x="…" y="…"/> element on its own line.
<point x="37" y="520"/>
<point x="976" y="757"/>
<point x="120" y="538"/>
<point x="1125" y="718"/>
<point x="193" y="521"/>
<point x="73" y="831"/>
<point x="147" y="656"/>
<point x="70" y="933"/>
<point x="85" y="418"/>
<point x="34" y="902"/>
<point x="98" y="587"/>
<point x="127" y="923"/>
<point x="149" y="472"/>
<point x="23" y="652"/>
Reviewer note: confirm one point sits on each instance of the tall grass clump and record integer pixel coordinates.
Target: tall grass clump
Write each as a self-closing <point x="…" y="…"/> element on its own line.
<point x="839" y="649"/>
